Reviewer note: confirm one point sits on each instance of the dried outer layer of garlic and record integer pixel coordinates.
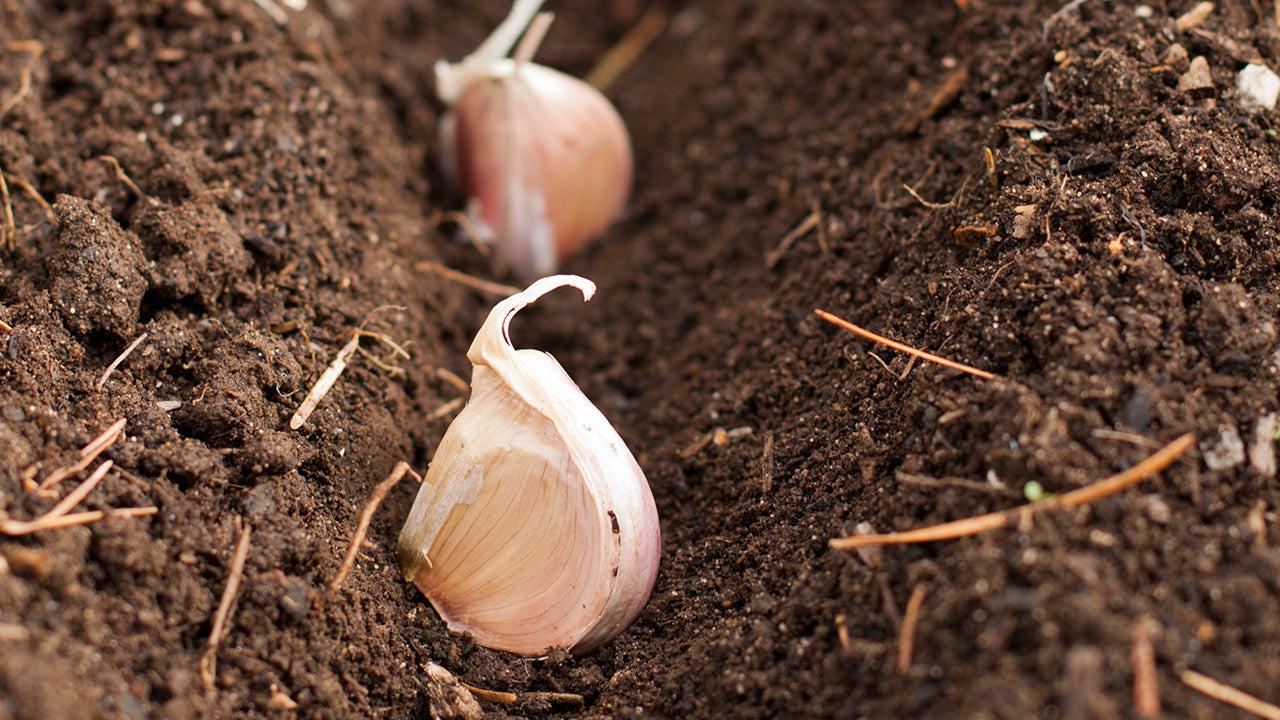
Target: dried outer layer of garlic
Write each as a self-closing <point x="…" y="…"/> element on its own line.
<point x="543" y="158"/>
<point x="535" y="526"/>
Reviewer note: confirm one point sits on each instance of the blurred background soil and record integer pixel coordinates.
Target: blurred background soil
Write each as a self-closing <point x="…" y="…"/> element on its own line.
<point x="1069" y="196"/>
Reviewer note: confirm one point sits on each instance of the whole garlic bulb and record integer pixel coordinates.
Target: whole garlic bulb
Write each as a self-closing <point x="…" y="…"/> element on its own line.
<point x="543" y="158"/>
<point x="534" y="526"/>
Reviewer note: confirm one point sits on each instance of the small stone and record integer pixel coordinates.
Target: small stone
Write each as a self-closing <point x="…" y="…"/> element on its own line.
<point x="1196" y="81"/>
<point x="1175" y="57"/>
<point x="1257" y="87"/>
<point x="1227" y="452"/>
<point x="1157" y="510"/>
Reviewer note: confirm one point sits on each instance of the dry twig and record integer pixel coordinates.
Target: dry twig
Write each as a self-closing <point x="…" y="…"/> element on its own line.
<point x="463" y="221"/>
<point x="446" y="408"/>
<point x="324" y="384"/>
<point x="88" y="454"/>
<point x="907" y="638"/>
<point x="331" y="374"/>
<point x="907" y="478"/>
<point x="904" y="348"/>
<point x="509" y="698"/>
<point x="116" y="363"/>
<point x="375" y="499"/>
<point x="1229" y="695"/>
<point x="1146" y="685"/>
<point x="448" y="376"/>
<point x="926" y="203"/>
<point x="8" y="230"/>
<point x="209" y="662"/>
<point x="982" y="523"/>
<point x="767" y="465"/>
<point x="624" y="54"/>
<point x="462" y="278"/>
<point x="945" y="94"/>
<point x="58" y="517"/>
<point x="493" y="696"/>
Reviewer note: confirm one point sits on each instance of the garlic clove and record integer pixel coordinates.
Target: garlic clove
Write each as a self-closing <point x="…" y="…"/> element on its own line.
<point x="543" y="158"/>
<point x="534" y="527"/>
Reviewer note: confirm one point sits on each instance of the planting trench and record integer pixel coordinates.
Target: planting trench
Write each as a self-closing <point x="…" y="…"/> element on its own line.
<point x="1022" y="187"/>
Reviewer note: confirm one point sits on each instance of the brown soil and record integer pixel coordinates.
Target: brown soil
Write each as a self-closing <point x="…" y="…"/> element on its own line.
<point x="1103" y="242"/>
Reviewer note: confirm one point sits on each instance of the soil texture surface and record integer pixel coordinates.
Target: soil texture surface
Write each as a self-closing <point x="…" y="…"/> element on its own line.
<point x="1075" y="198"/>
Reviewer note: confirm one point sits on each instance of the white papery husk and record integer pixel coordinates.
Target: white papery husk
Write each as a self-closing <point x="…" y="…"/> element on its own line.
<point x="534" y="527"/>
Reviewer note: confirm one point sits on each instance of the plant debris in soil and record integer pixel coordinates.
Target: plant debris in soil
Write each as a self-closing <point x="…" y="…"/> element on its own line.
<point x="203" y="200"/>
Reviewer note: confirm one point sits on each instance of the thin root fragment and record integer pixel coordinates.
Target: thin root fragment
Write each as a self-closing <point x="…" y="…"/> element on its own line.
<point x="982" y="523"/>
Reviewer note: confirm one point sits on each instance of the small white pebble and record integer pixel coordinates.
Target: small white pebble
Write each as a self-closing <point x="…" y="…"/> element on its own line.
<point x="169" y="405"/>
<point x="1144" y="11"/>
<point x="1258" y="87"/>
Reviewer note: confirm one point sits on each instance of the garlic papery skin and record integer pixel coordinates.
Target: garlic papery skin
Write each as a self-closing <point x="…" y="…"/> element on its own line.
<point x="534" y="527"/>
<point x="543" y="158"/>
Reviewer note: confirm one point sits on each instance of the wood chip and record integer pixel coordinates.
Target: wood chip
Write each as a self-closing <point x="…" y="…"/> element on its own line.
<point x="1262" y="451"/>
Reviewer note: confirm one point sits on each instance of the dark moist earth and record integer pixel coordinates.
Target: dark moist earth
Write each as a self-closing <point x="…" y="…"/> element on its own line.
<point x="1101" y="240"/>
